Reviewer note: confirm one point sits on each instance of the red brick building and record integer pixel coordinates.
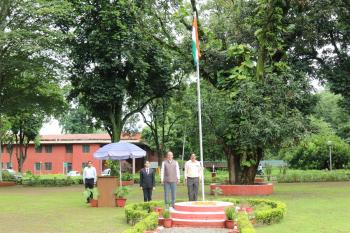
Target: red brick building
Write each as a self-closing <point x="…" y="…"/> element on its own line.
<point x="59" y="154"/>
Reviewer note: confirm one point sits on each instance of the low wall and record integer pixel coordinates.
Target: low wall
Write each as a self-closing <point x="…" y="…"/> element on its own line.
<point x="244" y="190"/>
<point x="7" y="183"/>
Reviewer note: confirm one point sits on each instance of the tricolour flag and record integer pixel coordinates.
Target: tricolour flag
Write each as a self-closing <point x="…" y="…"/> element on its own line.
<point x="195" y="42"/>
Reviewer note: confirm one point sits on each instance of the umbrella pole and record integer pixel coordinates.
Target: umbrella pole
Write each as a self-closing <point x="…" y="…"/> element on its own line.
<point x="120" y="173"/>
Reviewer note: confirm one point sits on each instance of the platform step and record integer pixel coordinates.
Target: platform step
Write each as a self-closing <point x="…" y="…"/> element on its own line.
<point x="197" y="215"/>
<point x="198" y="223"/>
<point x="192" y="207"/>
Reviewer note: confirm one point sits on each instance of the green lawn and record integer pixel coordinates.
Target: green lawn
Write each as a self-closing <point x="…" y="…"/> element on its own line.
<point x="312" y="208"/>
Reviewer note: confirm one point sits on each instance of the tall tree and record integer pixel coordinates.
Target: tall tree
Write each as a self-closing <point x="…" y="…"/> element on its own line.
<point x="118" y="66"/>
<point x="266" y="99"/>
<point x="320" y="43"/>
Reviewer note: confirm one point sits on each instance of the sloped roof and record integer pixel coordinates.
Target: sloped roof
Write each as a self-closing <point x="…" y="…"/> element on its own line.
<point x="85" y="138"/>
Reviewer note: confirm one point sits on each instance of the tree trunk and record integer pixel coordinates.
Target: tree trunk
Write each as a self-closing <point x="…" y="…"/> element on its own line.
<point x="0" y="161"/>
<point x="233" y="165"/>
<point x="249" y="173"/>
<point x="115" y="117"/>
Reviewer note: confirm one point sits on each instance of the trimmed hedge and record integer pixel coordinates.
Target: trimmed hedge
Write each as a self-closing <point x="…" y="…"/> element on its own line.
<point x="136" y="212"/>
<point x="244" y="224"/>
<point x="50" y="181"/>
<point x="141" y="215"/>
<point x="274" y="212"/>
<point x="314" y="176"/>
<point x="148" y="223"/>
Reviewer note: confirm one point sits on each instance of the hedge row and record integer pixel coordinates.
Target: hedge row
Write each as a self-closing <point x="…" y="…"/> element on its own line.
<point x="244" y="224"/>
<point x="274" y="212"/>
<point x="148" y="223"/>
<point x="50" y="182"/>
<point x="313" y="176"/>
<point x="136" y="212"/>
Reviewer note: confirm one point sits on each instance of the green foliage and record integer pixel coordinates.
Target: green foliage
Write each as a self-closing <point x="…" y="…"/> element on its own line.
<point x="138" y="211"/>
<point x="244" y="224"/>
<point x="313" y="151"/>
<point x="230" y="213"/>
<point x="166" y="214"/>
<point x="122" y="191"/>
<point x="328" y="109"/>
<point x="313" y="176"/>
<point x="78" y="120"/>
<point x="266" y="211"/>
<point x="148" y="223"/>
<point x="47" y="182"/>
<point x="118" y="65"/>
<point x="6" y="176"/>
<point x="268" y="171"/>
<point x="126" y="176"/>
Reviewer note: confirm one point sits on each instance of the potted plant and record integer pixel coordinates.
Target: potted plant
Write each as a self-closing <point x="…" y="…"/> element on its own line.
<point x="168" y="222"/>
<point x="230" y="216"/>
<point x="217" y="191"/>
<point x="158" y="209"/>
<point x="120" y="194"/>
<point x="94" y="200"/>
<point x="127" y="179"/>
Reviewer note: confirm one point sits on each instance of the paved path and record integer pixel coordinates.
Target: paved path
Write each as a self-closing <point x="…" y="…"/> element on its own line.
<point x="193" y="230"/>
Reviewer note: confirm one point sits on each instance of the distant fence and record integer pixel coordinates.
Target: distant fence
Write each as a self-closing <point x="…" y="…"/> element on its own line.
<point x="209" y="164"/>
<point x="223" y="164"/>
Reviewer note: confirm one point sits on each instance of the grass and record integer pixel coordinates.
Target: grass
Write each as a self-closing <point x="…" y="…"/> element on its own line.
<point x="312" y="207"/>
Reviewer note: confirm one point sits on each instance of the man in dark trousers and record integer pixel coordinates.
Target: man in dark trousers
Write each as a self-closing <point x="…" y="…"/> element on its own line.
<point x="147" y="181"/>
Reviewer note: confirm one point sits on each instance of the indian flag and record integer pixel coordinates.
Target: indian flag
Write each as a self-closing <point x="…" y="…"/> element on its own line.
<point x="195" y="42"/>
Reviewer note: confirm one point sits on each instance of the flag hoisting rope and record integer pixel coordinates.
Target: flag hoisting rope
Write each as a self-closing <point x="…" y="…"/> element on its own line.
<point x="196" y="55"/>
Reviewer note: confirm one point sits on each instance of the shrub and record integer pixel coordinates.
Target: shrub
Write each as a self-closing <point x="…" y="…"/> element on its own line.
<point x="244" y="224"/>
<point x="313" y="176"/>
<point x="166" y="214"/>
<point x="273" y="211"/>
<point x="6" y="176"/>
<point x="47" y="181"/>
<point x="148" y="223"/>
<point x="313" y="151"/>
<point x="127" y="176"/>
<point x="135" y="212"/>
<point x="230" y="213"/>
<point x="122" y="192"/>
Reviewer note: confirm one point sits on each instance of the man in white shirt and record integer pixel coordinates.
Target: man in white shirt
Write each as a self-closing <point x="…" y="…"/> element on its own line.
<point x="170" y="177"/>
<point x="193" y="174"/>
<point x="89" y="178"/>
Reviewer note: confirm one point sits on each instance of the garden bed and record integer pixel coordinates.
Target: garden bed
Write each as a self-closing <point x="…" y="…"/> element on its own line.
<point x="7" y="183"/>
<point x="243" y="190"/>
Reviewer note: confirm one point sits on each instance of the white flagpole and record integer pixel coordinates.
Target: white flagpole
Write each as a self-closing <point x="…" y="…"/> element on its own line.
<point x="200" y="126"/>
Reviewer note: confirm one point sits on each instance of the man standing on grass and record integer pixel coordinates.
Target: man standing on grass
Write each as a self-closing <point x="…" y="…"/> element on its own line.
<point x="89" y="178"/>
<point x="170" y="177"/>
<point x="193" y="174"/>
<point x="147" y="182"/>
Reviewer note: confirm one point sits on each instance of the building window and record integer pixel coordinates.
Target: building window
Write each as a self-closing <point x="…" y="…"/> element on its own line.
<point x="48" y="166"/>
<point x="83" y="165"/>
<point x="37" y="166"/>
<point x="9" y="165"/>
<point x="48" y="148"/>
<point x="69" y="148"/>
<point x="86" y="148"/>
<point x="38" y="149"/>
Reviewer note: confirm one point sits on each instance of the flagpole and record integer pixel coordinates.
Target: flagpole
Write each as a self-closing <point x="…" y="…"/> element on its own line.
<point x="200" y="127"/>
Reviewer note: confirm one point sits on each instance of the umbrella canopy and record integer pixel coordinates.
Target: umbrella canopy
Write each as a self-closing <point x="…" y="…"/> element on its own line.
<point x="119" y="151"/>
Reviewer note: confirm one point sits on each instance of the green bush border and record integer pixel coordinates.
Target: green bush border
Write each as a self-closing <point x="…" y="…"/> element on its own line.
<point x="148" y="223"/>
<point x="244" y="224"/>
<point x="138" y="211"/>
<point x="269" y="216"/>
